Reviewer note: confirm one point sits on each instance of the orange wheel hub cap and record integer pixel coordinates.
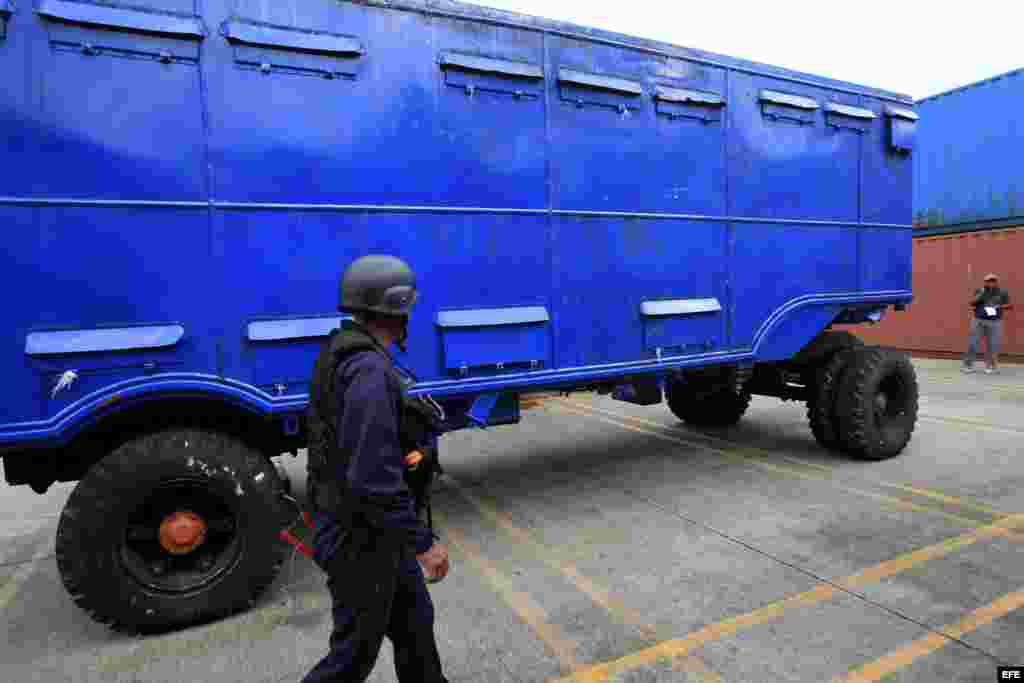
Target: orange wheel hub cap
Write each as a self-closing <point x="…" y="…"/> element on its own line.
<point x="182" y="532"/>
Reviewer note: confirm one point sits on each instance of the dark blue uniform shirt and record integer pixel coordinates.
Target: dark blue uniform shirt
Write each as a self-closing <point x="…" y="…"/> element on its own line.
<point x="369" y="404"/>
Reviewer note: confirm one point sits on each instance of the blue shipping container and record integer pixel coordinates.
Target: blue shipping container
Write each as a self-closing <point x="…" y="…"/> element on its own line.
<point x="967" y="171"/>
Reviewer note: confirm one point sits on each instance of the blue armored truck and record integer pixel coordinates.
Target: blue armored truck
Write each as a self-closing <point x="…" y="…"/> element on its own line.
<point x="184" y="182"/>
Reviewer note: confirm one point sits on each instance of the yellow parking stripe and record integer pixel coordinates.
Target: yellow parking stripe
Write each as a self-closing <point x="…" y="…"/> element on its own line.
<point x="681" y="647"/>
<point x="758" y="460"/>
<point x="894" y="661"/>
<point x="258" y="625"/>
<point x="528" y="611"/>
<point x="10" y="586"/>
<point x="916" y="490"/>
<point x="945" y="498"/>
<point x="598" y="594"/>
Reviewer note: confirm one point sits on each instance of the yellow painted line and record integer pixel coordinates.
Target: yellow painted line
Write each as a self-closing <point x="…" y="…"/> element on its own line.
<point x="916" y="490"/>
<point x="597" y="594"/>
<point x="10" y="586"/>
<point x="758" y="460"/>
<point x="945" y="498"/>
<point x="260" y="625"/>
<point x="695" y="669"/>
<point x="900" y="659"/>
<point x="525" y="607"/>
<point x="681" y="647"/>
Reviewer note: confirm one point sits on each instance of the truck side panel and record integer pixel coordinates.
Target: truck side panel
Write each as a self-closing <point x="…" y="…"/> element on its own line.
<point x="785" y="161"/>
<point x="566" y="202"/>
<point x="887" y="174"/>
<point x="113" y="120"/>
<point x="614" y="150"/>
<point x="286" y="265"/>
<point x="606" y="268"/>
<point x="774" y="265"/>
<point x="120" y="269"/>
<point x="21" y="270"/>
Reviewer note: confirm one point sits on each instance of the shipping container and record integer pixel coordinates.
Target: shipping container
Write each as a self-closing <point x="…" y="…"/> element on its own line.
<point x="968" y="173"/>
<point x="946" y="271"/>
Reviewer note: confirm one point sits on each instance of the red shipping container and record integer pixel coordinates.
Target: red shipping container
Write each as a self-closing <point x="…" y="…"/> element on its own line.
<point x="946" y="271"/>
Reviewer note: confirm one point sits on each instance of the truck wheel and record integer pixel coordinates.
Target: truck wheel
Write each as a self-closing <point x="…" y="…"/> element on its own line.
<point x="876" y="403"/>
<point x="722" y="408"/>
<point x="171" y="529"/>
<point x="821" y="398"/>
<point x="823" y="347"/>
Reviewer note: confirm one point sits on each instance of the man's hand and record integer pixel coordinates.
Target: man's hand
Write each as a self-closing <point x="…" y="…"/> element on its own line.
<point x="434" y="562"/>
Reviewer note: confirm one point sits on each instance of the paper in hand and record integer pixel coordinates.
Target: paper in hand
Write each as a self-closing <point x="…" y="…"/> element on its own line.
<point x="991" y="310"/>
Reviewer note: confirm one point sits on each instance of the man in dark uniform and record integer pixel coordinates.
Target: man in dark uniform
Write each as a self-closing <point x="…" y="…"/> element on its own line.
<point x="369" y="539"/>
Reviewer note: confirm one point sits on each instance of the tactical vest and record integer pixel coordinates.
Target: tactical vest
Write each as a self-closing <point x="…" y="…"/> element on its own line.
<point x="418" y="423"/>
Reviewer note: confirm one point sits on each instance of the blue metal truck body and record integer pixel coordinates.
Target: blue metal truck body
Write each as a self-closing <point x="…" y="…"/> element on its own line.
<point x="967" y="173"/>
<point x="182" y="189"/>
<point x="184" y="182"/>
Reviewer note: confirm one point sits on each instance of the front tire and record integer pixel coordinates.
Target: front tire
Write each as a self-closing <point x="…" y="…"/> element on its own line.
<point x="876" y="404"/>
<point x="171" y="529"/>
<point x="718" y="408"/>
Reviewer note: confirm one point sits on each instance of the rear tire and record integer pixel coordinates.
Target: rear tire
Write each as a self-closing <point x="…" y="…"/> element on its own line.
<point x="718" y="408"/>
<point x="114" y="561"/>
<point x="821" y="399"/>
<point x="876" y="405"/>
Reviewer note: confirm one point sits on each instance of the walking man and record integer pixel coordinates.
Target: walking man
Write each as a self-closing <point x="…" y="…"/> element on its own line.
<point x="988" y="304"/>
<point x="369" y="539"/>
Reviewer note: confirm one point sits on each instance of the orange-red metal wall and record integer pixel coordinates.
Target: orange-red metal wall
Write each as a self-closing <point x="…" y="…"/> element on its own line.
<point x="946" y="270"/>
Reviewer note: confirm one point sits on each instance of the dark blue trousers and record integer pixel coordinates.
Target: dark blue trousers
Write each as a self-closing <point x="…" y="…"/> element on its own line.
<point x="372" y="599"/>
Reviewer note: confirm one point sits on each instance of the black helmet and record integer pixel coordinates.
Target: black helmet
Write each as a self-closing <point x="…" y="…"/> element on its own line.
<point x="378" y="284"/>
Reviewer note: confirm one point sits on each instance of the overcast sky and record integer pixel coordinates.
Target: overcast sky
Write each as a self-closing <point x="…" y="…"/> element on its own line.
<point x="909" y="46"/>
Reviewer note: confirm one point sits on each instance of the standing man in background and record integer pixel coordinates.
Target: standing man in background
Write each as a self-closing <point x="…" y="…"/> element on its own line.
<point x="988" y="304"/>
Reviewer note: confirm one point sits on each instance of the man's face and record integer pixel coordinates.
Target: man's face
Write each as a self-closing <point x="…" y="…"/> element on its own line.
<point x="990" y="284"/>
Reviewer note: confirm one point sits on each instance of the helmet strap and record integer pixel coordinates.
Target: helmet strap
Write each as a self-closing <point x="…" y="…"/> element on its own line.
<point x="400" y="342"/>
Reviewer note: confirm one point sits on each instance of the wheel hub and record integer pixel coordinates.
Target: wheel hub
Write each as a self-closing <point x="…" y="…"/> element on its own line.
<point x="182" y="531"/>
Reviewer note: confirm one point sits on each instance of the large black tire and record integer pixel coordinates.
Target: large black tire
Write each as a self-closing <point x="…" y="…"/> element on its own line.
<point x="821" y="349"/>
<point x="876" y="403"/>
<point x="821" y="398"/>
<point x="109" y="552"/>
<point x="722" y="408"/>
